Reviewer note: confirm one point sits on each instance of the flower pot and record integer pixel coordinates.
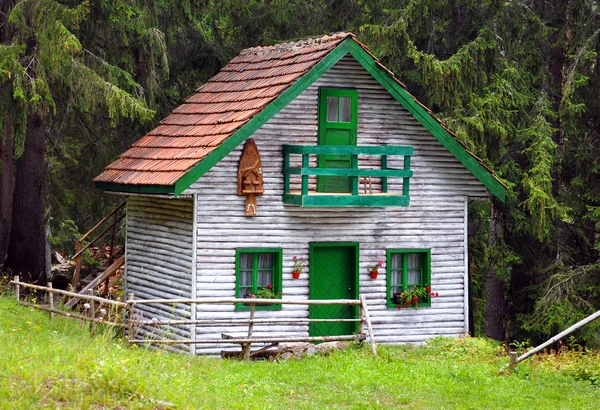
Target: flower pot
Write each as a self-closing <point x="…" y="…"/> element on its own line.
<point x="296" y="275"/>
<point x="373" y="274"/>
<point x="397" y="299"/>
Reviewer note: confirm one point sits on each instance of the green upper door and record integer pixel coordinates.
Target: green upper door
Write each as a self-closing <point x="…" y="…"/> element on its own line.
<point x="333" y="275"/>
<point x="338" y="120"/>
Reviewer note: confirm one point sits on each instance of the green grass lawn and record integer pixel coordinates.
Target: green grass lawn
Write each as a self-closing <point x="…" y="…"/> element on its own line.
<point x="58" y="364"/>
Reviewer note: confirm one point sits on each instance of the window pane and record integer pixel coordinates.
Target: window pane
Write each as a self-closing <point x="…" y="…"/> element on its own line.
<point x="332" y="109"/>
<point x="265" y="278"/>
<point x="396" y="277"/>
<point x="245" y="278"/>
<point x="396" y="261"/>
<point x="265" y="261"/>
<point x="414" y="261"/>
<point x="245" y="261"/>
<point x="414" y="277"/>
<point x="345" y="109"/>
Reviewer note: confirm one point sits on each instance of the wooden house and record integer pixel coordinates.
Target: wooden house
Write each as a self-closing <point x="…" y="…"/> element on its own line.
<point x="352" y="169"/>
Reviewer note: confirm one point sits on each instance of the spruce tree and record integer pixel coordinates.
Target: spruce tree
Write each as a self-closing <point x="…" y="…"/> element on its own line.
<point x="42" y="60"/>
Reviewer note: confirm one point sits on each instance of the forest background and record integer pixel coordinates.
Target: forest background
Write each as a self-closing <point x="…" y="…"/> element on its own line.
<point x="517" y="81"/>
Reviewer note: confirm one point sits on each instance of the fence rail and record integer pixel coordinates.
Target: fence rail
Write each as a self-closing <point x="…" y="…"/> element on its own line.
<point x="126" y="317"/>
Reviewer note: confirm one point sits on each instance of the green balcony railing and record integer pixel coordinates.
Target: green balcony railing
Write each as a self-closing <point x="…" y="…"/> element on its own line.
<point x="306" y="197"/>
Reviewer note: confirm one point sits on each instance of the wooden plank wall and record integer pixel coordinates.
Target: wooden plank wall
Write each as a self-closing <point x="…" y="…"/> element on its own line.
<point x="159" y="260"/>
<point x="435" y="218"/>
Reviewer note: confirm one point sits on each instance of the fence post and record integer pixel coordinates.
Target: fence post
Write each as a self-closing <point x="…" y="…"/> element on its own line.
<point x="248" y="346"/>
<point x="363" y="303"/>
<point x="361" y="325"/>
<point x="17" y="287"/>
<point x="51" y="299"/>
<point x="76" y="274"/>
<point x="92" y="312"/>
<point x="513" y="360"/>
<point x="129" y="309"/>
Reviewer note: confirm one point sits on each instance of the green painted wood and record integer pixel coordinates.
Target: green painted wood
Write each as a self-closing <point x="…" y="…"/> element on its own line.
<point x="286" y="177"/>
<point x="406" y="181"/>
<point x="342" y="150"/>
<point x="425" y="276"/>
<point x="305" y="164"/>
<point x="276" y="278"/>
<point x="261" y="118"/>
<point x="345" y="200"/>
<point x="336" y="132"/>
<point x="349" y="172"/>
<point x="354" y="179"/>
<point x="354" y="199"/>
<point x="384" y="181"/>
<point x="451" y="144"/>
<point x="333" y="275"/>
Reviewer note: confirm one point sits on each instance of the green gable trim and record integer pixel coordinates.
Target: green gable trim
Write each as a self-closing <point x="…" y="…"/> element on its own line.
<point x="261" y="118"/>
<point x="136" y="189"/>
<point x="451" y="144"/>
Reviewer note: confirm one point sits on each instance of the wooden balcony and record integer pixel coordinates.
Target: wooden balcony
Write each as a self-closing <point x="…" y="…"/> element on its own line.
<point x="368" y="168"/>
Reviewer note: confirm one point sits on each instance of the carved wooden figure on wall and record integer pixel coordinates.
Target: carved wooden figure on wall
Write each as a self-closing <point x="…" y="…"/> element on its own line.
<point x="250" y="176"/>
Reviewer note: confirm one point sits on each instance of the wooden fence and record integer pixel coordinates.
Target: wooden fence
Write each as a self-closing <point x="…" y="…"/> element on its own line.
<point x="121" y="314"/>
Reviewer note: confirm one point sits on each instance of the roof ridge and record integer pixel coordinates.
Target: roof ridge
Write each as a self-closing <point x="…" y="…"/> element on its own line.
<point x="294" y="45"/>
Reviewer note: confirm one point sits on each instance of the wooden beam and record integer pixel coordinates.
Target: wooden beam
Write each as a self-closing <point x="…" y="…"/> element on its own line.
<point x="70" y="314"/>
<point x="72" y="294"/>
<point x="363" y="302"/>
<point x="104" y="275"/>
<point x="272" y="339"/>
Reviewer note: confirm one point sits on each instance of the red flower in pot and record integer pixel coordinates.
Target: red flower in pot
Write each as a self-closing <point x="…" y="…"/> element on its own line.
<point x="374" y="270"/>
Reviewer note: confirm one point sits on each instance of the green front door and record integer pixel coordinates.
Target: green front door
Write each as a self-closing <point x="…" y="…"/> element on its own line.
<point x="333" y="275"/>
<point x="338" y="112"/>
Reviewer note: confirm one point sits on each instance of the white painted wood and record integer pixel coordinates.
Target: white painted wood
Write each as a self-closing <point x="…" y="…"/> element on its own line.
<point x="435" y="220"/>
<point x="194" y="290"/>
<point x="466" y="265"/>
<point x="159" y="262"/>
<point x="159" y="230"/>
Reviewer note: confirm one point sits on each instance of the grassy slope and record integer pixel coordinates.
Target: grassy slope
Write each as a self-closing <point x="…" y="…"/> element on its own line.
<point x="58" y="364"/>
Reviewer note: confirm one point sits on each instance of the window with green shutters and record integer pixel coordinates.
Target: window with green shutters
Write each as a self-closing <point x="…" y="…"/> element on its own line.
<point x="257" y="268"/>
<point x="407" y="269"/>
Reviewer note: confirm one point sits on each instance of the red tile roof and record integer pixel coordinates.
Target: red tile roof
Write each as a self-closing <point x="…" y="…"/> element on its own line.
<point x="220" y="107"/>
<point x="227" y="101"/>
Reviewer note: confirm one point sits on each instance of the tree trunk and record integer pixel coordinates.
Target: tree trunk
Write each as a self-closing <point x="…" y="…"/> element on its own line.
<point x="495" y="303"/>
<point x="7" y="161"/>
<point x="26" y="251"/>
<point x="7" y="182"/>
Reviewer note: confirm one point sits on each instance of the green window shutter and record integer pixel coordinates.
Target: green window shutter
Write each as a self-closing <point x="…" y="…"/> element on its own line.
<point x="338" y="124"/>
<point x="405" y="269"/>
<point x="255" y="268"/>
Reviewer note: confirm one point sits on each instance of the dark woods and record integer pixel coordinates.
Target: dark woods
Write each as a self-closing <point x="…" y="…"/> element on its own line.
<point x="518" y="82"/>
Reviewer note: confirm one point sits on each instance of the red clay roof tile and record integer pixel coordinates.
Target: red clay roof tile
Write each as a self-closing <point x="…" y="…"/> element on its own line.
<point x="215" y="111"/>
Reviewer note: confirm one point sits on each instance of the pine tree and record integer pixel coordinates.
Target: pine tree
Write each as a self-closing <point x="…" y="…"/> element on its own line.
<point x="42" y="60"/>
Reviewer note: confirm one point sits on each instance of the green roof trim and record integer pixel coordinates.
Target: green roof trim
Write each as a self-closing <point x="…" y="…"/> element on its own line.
<point x="425" y="119"/>
<point x="261" y="118"/>
<point x="136" y="189"/>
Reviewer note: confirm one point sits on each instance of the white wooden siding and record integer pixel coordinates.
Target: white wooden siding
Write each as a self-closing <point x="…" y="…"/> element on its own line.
<point x="159" y="261"/>
<point x="435" y="218"/>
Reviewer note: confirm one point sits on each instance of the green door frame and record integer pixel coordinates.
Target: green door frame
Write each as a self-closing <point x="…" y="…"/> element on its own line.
<point x="355" y="281"/>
